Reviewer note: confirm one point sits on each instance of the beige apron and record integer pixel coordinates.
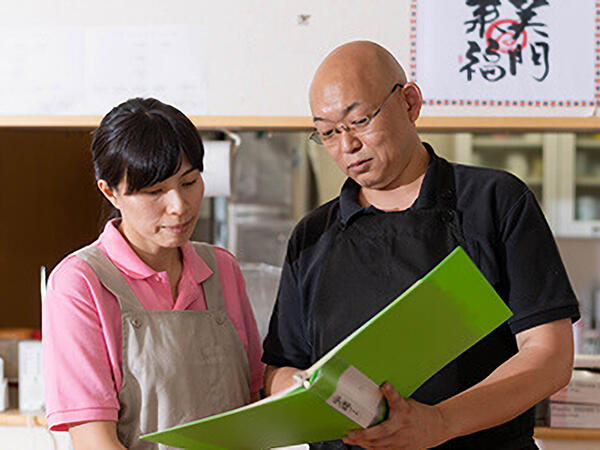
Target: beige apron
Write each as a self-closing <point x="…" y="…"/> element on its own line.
<point x="178" y="366"/>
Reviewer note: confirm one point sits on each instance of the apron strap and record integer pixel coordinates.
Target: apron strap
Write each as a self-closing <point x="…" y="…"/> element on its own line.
<point x="213" y="290"/>
<point x="110" y="277"/>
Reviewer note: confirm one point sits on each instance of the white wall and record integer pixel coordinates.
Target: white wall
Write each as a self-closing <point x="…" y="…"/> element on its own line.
<point x="259" y="58"/>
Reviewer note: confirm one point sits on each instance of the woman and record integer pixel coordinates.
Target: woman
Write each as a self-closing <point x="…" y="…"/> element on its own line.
<point x="144" y="329"/>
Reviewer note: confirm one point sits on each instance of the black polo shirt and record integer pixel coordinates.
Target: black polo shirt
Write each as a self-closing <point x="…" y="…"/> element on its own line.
<point x="505" y="233"/>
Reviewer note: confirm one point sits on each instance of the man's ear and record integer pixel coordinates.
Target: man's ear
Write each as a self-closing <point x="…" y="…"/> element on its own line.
<point x="108" y="193"/>
<point x="414" y="100"/>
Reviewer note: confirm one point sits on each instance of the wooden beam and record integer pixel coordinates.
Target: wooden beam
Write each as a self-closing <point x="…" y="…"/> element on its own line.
<point x="304" y="123"/>
<point x="483" y="124"/>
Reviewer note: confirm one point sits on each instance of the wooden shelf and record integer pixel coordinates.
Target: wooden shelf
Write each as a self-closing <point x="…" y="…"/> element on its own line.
<point x="576" y="434"/>
<point x="588" y="181"/>
<point x="304" y="123"/>
<point x="38" y="419"/>
<point x="587" y="142"/>
<point x="504" y="143"/>
<point x="15" y="418"/>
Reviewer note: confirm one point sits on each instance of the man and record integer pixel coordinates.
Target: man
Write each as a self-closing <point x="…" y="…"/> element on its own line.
<point x="401" y="211"/>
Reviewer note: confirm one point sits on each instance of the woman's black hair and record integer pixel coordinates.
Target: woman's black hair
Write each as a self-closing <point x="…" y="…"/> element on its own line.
<point x="144" y="140"/>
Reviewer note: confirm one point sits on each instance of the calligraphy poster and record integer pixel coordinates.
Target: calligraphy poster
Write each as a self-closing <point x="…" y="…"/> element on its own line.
<point x="506" y="56"/>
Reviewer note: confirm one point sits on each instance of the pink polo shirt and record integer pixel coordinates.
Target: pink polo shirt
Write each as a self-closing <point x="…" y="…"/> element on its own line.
<point x="81" y="323"/>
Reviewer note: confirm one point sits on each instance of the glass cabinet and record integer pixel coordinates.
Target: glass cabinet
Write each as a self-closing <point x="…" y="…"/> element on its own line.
<point x="529" y="156"/>
<point x="579" y="185"/>
<point x="562" y="170"/>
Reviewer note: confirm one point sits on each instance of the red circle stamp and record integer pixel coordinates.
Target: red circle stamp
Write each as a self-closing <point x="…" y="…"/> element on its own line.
<point x="499" y="32"/>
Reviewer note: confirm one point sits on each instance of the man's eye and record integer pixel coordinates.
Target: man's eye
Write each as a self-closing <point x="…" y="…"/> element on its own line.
<point x="360" y="122"/>
<point x="189" y="183"/>
<point x="153" y="192"/>
<point x="327" y="133"/>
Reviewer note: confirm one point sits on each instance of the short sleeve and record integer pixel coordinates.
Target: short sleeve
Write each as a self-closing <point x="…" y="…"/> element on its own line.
<point x="538" y="287"/>
<point x="78" y="378"/>
<point x="288" y="340"/>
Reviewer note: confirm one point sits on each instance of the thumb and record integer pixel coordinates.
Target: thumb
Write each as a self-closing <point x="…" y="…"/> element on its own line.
<point x="393" y="397"/>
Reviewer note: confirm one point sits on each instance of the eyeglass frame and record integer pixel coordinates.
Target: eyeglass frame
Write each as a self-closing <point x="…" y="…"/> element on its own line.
<point x="315" y="136"/>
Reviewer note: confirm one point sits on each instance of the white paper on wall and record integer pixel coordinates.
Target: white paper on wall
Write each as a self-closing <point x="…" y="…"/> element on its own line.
<point x="77" y="70"/>
<point x="506" y="55"/>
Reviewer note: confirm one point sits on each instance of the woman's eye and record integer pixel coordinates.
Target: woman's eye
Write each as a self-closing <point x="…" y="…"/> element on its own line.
<point x="153" y="192"/>
<point x="189" y="183"/>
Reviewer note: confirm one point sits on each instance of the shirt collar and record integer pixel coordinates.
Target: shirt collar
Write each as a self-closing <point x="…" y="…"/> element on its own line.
<point x="195" y="266"/>
<point x="122" y="255"/>
<point x="349" y="205"/>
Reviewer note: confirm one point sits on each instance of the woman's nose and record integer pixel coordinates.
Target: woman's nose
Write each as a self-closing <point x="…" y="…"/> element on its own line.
<point x="175" y="202"/>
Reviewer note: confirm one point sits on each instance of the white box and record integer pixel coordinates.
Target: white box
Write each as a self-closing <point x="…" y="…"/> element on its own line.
<point x="584" y="387"/>
<point x="31" y="381"/>
<point x="587" y="361"/>
<point x="574" y="415"/>
<point x="3" y="394"/>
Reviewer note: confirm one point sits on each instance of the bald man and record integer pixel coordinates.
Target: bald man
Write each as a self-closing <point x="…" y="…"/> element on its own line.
<point x="400" y="212"/>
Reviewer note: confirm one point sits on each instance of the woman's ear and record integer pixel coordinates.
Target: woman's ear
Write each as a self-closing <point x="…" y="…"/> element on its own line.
<point x="108" y="192"/>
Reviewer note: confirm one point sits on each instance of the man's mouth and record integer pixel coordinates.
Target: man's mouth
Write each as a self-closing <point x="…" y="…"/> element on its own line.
<point x="359" y="166"/>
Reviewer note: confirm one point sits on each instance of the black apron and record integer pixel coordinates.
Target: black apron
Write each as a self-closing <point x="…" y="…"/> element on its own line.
<point x="376" y="256"/>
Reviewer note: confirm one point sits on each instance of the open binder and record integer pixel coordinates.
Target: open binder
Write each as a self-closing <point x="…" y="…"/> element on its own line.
<point x="429" y="325"/>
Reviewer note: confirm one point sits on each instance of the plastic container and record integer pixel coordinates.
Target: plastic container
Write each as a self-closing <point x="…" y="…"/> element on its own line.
<point x="262" y="282"/>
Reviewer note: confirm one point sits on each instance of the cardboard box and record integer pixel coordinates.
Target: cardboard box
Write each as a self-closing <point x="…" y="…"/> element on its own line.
<point x="31" y="381"/>
<point x="9" y="349"/>
<point x="9" y="352"/>
<point x="584" y="387"/>
<point x="574" y="415"/>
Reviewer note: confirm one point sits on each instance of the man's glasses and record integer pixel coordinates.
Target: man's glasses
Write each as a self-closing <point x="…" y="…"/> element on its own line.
<point x="328" y="136"/>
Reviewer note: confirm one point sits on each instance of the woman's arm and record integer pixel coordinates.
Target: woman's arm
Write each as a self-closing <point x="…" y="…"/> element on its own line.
<point x="278" y="379"/>
<point x="96" y="435"/>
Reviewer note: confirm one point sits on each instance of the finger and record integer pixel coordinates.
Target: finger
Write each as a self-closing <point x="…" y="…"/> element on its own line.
<point x="384" y="429"/>
<point x="368" y="434"/>
<point x="391" y="441"/>
<point x="356" y="438"/>
<point x="393" y="397"/>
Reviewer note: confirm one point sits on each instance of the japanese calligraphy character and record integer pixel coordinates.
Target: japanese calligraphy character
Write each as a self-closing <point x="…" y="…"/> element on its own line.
<point x="486" y="12"/>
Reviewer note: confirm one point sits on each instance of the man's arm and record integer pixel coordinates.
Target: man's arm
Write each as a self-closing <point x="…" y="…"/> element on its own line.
<point x="542" y="366"/>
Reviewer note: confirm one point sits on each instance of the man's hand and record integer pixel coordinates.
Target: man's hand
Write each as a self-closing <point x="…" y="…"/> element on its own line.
<point x="541" y="367"/>
<point x="410" y="425"/>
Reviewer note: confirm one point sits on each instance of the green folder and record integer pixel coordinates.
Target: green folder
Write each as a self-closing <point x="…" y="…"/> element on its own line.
<point x="429" y="325"/>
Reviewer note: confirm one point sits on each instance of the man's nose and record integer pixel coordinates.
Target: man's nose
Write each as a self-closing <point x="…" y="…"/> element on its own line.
<point x="175" y="202"/>
<point x="349" y="143"/>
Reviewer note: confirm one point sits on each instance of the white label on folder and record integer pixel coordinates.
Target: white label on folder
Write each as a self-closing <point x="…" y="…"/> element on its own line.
<point x="357" y="397"/>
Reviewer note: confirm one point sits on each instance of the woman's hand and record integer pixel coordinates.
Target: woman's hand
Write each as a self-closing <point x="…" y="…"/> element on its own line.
<point x="278" y="379"/>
